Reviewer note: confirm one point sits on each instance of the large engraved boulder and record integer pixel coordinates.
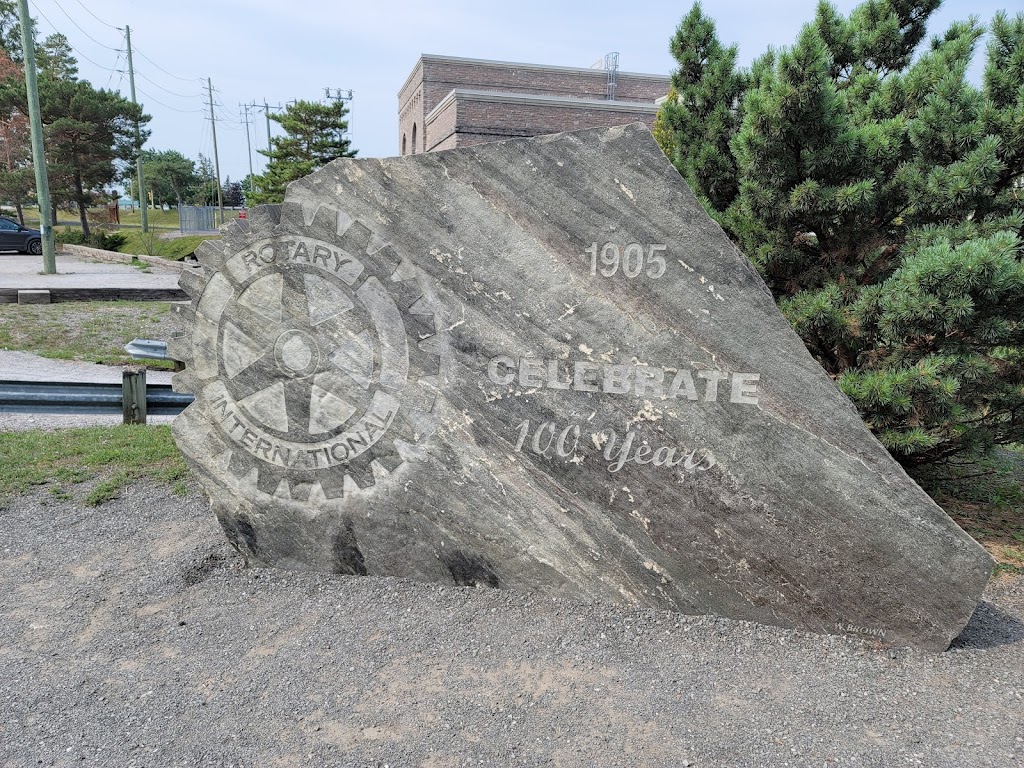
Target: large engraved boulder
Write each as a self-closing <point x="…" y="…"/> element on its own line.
<point x="538" y="364"/>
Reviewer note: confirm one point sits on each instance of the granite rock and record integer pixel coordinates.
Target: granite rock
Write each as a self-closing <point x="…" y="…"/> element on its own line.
<point x="538" y="364"/>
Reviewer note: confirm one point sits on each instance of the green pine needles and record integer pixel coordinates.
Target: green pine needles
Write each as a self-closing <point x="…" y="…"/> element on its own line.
<point x="881" y="196"/>
<point x="314" y="136"/>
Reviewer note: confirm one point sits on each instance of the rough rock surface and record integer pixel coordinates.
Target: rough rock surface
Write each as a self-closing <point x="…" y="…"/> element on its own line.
<point x="539" y="364"/>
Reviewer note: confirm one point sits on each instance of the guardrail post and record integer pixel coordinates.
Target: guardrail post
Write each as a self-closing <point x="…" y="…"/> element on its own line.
<point x="133" y="395"/>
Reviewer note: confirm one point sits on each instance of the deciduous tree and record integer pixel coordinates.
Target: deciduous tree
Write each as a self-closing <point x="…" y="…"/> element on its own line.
<point x="16" y="175"/>
<point x="170" y="175"/>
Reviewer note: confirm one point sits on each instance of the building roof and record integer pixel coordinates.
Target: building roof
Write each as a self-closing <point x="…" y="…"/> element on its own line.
<point x="519" y="65"/>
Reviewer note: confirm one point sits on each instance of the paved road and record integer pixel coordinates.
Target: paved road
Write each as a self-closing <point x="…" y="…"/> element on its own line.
<point x="25" y="366"/>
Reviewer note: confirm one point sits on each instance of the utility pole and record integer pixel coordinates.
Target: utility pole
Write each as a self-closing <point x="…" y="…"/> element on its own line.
<point x="266" y="114"/>
<point x="248" y="146"/>
<point x="38" y="153"/>
<point x="342" y="96"/>
<point x="138" y="161"/>
<point x="216" y="158"/>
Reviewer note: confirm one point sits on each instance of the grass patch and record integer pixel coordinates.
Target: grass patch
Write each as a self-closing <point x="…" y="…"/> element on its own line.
<point x="115" y="456"/>
<point x="158" y="218"/>
<point x="986" y="498"/>
<point x="92" y="331"/>
<point x="151" y="244"/>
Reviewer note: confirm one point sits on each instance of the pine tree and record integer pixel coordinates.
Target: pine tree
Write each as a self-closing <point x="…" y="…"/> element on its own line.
<point x="702" y="112"/>
<point x="205" y="191"/>
<point x="10" y="29"/>
<point x="879" y="195"/>
<point x="55" y="59"/>
<point x="315" y="135"/>
<point x="232" y="193"/>
<point x="88" y="133"/>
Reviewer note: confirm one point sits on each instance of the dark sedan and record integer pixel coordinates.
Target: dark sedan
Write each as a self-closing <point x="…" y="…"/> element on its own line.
<point x="14" y="237"/>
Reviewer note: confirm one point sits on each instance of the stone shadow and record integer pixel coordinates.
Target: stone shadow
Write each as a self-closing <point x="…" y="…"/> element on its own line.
<point x="989" y="627"/>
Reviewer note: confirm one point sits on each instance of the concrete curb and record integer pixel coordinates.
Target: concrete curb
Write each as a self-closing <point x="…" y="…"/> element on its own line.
<point x="85" y="252"/>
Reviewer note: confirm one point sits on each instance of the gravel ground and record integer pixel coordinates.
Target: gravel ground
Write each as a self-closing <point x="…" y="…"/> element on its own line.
<point x="130" y="635"/>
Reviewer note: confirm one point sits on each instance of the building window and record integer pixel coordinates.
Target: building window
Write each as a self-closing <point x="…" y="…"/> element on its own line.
<point x="414" y="138"/>
<point x="403" y="143"/>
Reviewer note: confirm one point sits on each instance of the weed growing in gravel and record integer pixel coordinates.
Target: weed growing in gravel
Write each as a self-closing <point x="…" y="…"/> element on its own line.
<point x="115" y="456"/>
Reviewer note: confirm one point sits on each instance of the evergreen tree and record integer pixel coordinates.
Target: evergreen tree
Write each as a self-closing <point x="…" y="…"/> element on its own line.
<point x="879" y="195"/>
<point x="55" y="60"/>
<point x="314" y="137"/>
<point x="10" y="29"/>
<point x="231" y="192"/>
<point x="205" y="191"/>
<point x="702" y="112"/>
<point x="88" y="132"/>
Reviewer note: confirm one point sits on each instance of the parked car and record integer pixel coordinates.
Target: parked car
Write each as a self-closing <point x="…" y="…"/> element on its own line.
<point x="14" y="237"/>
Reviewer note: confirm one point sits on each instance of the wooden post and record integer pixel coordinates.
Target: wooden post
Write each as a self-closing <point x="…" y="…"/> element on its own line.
<point x="133" y="395"/>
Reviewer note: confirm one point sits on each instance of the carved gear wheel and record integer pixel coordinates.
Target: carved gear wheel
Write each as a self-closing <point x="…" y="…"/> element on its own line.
<point x="313" y="353"/>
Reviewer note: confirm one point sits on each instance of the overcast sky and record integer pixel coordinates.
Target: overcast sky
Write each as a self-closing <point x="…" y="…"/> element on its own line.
<point x="281" y="50"/>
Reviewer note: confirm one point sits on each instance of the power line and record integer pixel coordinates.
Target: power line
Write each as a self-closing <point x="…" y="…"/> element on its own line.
<point x="101" y="21"/>
<point x="115" y="69"/>
<point x="167" y="106"/>
<point x="183" y="79"/>
<point x="224" y="115"/>
<point x="168" y="90"/>
<point x="102" y="45"/>
<point x="95" y="64"/>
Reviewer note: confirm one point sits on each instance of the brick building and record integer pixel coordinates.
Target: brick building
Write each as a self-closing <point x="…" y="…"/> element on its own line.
<point x="449" y="101"/>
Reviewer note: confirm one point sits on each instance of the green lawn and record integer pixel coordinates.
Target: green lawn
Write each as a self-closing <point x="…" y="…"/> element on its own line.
<point x="113" y="456"/>
<point x="92" y="331"/>
<point x="150" y="244"/>
<point x="160" y="219"/>
<point x="157" y="218"/>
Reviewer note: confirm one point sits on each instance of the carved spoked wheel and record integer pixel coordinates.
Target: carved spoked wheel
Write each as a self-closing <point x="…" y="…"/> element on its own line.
<point x="311" y="354"/>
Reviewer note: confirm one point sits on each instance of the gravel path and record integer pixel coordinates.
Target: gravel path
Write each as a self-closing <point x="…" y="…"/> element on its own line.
<point x="130" y="635"/>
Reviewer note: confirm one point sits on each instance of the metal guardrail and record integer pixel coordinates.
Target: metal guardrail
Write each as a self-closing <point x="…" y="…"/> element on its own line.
<point x="85" y="398"/>
<point x="133" y="397"/>
<point x="147" y="349"/>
